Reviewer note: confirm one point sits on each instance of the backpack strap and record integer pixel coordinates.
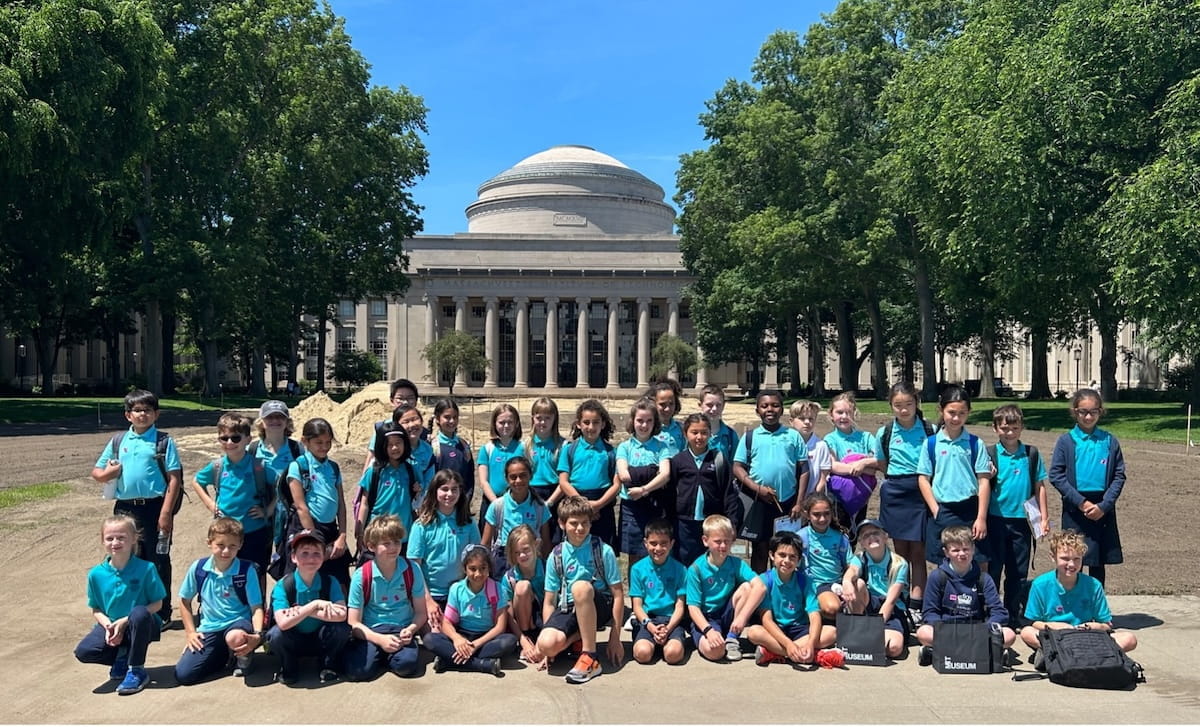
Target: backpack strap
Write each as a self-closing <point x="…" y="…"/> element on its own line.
<point x="218" y="464"/>
<point x="372" y="493"/>
<point x="557" y="557"/>
<point x="931" y="449"/>
<point x="200" y="575"/>
<point x="366" y="574"/>
<point x="612" y="462"/>
<point x="493" y="598"/>
<point x="887" y="440"/>
<point x="598" y="559"/>
<point x="1034" y="461"/>
<point x="749" y="447"/>
<point x="721" y="466"/>
<point x="325" y="593"/>
<point x="408" y="578"/>
<point x="289" y="588"/>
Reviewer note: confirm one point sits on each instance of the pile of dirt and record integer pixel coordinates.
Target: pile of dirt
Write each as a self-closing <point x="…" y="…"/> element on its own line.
<point x="353" y="419"/>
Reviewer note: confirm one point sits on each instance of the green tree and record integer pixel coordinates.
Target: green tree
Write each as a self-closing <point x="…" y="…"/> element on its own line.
<point x="672" y="353"/>
<point x="356" y="368"/>
<point x="456" y="352"/>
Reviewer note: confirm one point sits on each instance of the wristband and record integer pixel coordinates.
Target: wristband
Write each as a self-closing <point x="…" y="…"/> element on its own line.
<point x="705" y="630"/>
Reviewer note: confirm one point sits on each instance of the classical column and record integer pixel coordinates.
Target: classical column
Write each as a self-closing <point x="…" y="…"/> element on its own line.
<point x="491" y="339"/>
<point x="362" y="330"/>
<point x="614" y="308"/>
<point x="431" y="302"/>
<point x="522" y="377"/>
<point x="582" y="344"/>
<point x="551" y="342"/>
<point x="673" y="328"/>
<point x="701" y="371"/>
<point x="460" y="325"/>
<point x="643" y="343"/>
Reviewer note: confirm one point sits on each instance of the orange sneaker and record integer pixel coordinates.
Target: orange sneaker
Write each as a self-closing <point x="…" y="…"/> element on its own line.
<point x="586" y="668"/>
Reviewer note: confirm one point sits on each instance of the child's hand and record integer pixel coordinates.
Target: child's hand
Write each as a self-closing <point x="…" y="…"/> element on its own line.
<point x="797" y="509"/>
<point x="886" y="610"/>
<point x="339" y="547"/>
<point x="195" y="642"/>
<point x="979" y="529"/>
<point x="391" y="643"/>
<point x="257" y="513"/>
<point x="114" y="633"/>
<point x="616" y="650"/>
<point x="805" y="654"/>
<point x="795" y="653"/>
<point x="849" y="594"/>
<point x="113" y="468"/>
<point x="463" y="650"/>
<point x="434" y="615"/>
<point x="334" y="611"/>
<point x="714" y="639"/>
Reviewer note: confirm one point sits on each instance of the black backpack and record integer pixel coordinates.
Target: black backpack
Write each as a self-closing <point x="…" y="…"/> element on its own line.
<point x="1087" y="659"/>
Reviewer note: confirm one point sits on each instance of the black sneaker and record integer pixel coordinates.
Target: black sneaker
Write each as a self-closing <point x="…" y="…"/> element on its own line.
<point x="287" y="680"/>
<point x="439" y="665"/>
<point x="1039" y="660"/>
<point x="925" y="656"/>
<point x="328" y="676"/>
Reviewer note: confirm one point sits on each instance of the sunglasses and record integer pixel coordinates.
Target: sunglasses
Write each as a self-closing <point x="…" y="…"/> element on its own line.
<point x="235" y="438"/>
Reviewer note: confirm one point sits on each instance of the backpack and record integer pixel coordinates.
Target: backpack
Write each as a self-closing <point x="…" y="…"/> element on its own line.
<point x="609" y="450"/>
<point x="1034" y="460"/>
<point x="490" y="592"/>
<point x="325" y="593"/>
<point x="1087" y="659"/>
<point x="538" y="509"/>
<point x="886" y="442"/>
<point x="285" y="505"/>
<point x="281" y="513"/>
<point x="367" y="572"/>
<point x="200" y="575"/>
<point x="597" y="560"/>
<point x="805" y="535"/>
<point x="160" y="457"/>
<point x="893" y="570"/>
<point x="262" y="491"/>
<point x="931" y="446"/>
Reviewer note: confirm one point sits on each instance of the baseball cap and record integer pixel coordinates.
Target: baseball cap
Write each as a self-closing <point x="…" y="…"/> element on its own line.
<point x="869" y="523"/>
<point x="314" y="535"/>
<point x="274" y="406"/>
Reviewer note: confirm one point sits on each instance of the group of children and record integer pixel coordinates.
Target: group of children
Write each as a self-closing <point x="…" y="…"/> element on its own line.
<point x="537" y="573"/>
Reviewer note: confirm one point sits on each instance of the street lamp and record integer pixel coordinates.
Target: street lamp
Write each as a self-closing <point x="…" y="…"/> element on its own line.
<point x="1079" y="356"/>
<point x="1058" y="375"/>
<point x="21" y="367"/>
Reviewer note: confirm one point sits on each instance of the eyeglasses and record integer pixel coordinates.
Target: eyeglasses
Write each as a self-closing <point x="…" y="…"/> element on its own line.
<point x="141" y="411"/>
<point x="1088" y="412"/>
<point x="235" y="438"/>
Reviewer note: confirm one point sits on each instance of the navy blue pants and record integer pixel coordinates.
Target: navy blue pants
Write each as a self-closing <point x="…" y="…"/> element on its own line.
<point x="496" y="648"/>
<point x="195" y="666"/>
<point x="326" y="643"/>
<point x="145" y="513"/>
<point x="364" y="661"/>
<point x="1010" y="546"/>
<point x="143" y="629"/>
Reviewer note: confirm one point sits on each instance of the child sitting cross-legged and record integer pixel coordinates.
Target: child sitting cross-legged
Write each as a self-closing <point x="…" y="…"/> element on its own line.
<point x="474" y="634"/>
<point x="719" y="595"/>
<point x="791" y="616"/>
<point x="658" y="589"/>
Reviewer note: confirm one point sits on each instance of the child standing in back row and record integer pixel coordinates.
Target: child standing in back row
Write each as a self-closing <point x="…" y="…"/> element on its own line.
<point x="803" y="416"/>
<point x="587" y="467"/>
<point x="1088" y="469"/>
<point x="853" y="452"/>
<point x="643" y="466"/>
<point x="505" y="443"/>
<point x="1019" y="476"/>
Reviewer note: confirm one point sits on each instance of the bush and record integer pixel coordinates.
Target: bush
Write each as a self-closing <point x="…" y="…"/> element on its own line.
<point x="1179" y="378"/>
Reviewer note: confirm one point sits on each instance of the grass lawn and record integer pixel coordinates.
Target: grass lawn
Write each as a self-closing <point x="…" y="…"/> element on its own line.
<point x="37" y="409"/>
<point x="28" y="493"/>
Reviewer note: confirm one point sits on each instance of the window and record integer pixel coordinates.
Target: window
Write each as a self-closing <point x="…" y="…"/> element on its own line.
<point x="447" y="311"/>
<point x="379" y="346"/>
<point x="378" y="308"/>
<point x="477" y="311"/>
<point x="655" y="310"/>
<point x="346" y="309"/>
<point x="345" y="339"/>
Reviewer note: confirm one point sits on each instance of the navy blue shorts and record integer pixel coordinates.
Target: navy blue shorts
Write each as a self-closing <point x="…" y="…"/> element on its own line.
<point x="635" y="516"/>
<point x="677" y="634"/>
<point x="895" y="623"/>
<point x="795" y="630"/>
<point x="568" y="622"/>
<point x="719" y="620"/>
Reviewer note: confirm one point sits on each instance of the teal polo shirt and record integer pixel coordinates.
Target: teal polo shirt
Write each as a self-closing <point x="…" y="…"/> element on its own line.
<point x="672" y="438"/>
<point x="475" y="613"/>
<point x="857" y="441"/>
<point x="724" y="440"/>
<point x="438" y="545"/>
<point x="275" y="463"/>
<point x="1012" y="481"/>
<point x="390" y="604"/>
<point x="588" y="467"/>
<point x="531" y="512"/>
<point x="826" y="554"/>
<point x="513" y="576"/>
<point x="877" y="579"/>
<point x="641" y="454"/>
<point x="220" y="606"/>
<point x="495" y="456"/>
<point x="116" y="592"/>
<point x="774" y="459"/>
<point x="659" y="586"/>
<point x="545" y="454"/>
<point x="955" y="477"/>
<point x="238" y="491"/>
<point x="323" y="492"/>
<point x="709" y="587"/>
<point x="1091" y="459"/>
<point x="395" y="494"/>
<point x="579" y="566"/>
<point x="140" y="474"/>
<point x="788" y="601"/>
<point x="305" y="593"/>
<point x="904" y="448"/>
<point x="1049" y="601"/>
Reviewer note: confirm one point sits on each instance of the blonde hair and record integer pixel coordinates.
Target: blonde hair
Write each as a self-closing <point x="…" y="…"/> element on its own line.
<point x="384" y="527"/>
<point x="1067" y="540"/>
<point x="226" y="526"/>
<point x="260" y="428"/>
<point x="522" y="532"/>
<point x="957" y="535"/>
<point x="715" y="524"/>
<point x="122" y="520"/>
<point x="804" y="408"/>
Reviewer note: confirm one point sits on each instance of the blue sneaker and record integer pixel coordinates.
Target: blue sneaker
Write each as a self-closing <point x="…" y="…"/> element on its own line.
<point x="135" y="681"/>
<point x="118" y="669"/>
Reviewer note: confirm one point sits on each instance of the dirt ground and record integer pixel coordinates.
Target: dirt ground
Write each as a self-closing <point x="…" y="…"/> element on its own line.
<point x="48" y="546"/>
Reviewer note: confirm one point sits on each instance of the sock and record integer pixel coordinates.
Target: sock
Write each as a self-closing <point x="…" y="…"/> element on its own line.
<point x="730" y="635"/>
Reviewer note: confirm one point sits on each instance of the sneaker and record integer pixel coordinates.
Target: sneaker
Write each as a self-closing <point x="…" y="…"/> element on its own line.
<point x="119" y="668"/>
<point x="135" y="681"/>
<point x="762" y="656"/>
<point x="242" y="666"/>
<point x="285" y="679"/>
<point x="490" y="666"/>
<point x="733" y="650"/>
<point x="925" y="656"/>
<point x="1011" y="658"/>
<point x="586" y="668"/>
<point x="916" y="616"/>
<point x="328" y="676"/>
<point x="439" y="665"/>
<point x="576" y="648"/>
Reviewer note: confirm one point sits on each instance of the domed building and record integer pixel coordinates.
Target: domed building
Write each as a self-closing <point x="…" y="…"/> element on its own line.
<point x="569" y="272"/>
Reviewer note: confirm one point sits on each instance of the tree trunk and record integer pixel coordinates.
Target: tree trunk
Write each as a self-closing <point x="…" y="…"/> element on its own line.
<point x="258" y="357"/>
<point x="152" y="321"/>
<point x="212" y="377"/>
<point x="1039" y="344"/>
<point x="878" y="357"/>
<point x="793" y="336"/>
<point x="322" y="321"/>
<point x="816" y="348"/>
<point x="987" y="362"/>
<point x="47" y="355"/>
<point x="930" y="375"/>
<point x="169" y="323"/>
<point x="847" y="348"/>
<point x="112" y="343"/>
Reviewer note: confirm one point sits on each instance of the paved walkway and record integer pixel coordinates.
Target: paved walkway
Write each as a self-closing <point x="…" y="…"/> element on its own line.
<point x="61" y="690"/>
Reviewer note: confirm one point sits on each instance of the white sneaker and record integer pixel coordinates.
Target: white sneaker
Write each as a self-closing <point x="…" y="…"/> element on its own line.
<point x="243" y="666"/>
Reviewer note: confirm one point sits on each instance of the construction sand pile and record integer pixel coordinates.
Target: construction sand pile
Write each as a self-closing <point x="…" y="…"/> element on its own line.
<point x="353" y="419"/>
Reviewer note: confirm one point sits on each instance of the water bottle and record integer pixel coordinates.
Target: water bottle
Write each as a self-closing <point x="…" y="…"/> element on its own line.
<point x="164" y="543"/>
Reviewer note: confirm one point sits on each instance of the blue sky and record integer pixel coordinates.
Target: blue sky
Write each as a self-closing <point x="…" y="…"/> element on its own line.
<point x="506" y="80"/>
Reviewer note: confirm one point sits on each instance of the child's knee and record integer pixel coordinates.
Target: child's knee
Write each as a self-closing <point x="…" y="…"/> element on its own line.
<point x="551" y="641"/>
<point x="1030" y="636"/>
<point x="673" y="651"/>
<point x="1009" y="636"/>
<point x="925" y="635"/>
<point x="1125" y="639"/>
<point x="522" y="591"/>
<point x="643" y="651"/>
<point x="582" y="592"/>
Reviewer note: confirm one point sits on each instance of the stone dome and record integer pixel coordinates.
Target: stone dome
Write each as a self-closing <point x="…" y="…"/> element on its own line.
<point x="570" y="190"/>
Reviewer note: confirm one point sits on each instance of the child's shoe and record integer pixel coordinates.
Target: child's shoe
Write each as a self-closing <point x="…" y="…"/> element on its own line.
<point x="135" y="681"/>
<point x="242" y="668"/>
<point x="486" y="666"/>
<point x="328" y="676"/>
<point x="763" y="656"/>
<point x="288" y="680"/>
<point x="586" y="668"/>
<point x="733" y="650"/>
<point x="439" y="665"/>
<point x="118" y="669"/>
<point x="925" y="656"/>
<point x="1039" y="660"/>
